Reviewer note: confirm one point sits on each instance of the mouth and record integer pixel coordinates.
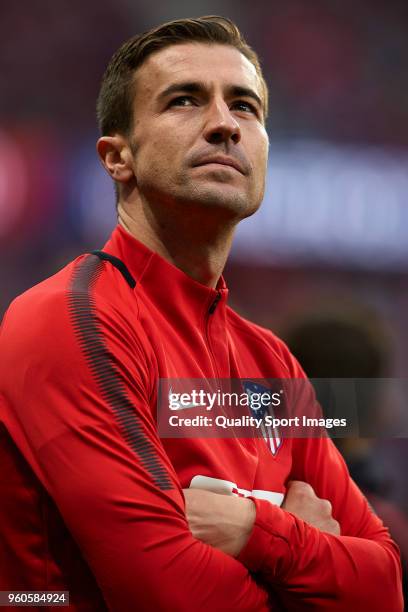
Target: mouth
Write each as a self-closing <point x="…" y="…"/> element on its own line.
<point x="221" y="161"/>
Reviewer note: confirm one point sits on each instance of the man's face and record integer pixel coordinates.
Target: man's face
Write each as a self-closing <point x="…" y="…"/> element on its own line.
<point x="198" y="136"/>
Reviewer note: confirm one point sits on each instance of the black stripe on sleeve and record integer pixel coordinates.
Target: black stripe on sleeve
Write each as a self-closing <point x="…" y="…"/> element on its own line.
<point x="113" y="390"/>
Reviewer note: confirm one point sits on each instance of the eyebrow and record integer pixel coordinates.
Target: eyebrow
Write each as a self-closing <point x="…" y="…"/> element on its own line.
<point x="199" y="87"/>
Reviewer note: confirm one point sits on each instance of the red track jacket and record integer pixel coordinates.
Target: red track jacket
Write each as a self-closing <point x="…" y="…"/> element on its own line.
<point x="91" y="498"/>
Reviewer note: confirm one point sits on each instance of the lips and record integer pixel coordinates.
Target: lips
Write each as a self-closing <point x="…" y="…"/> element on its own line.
<point x="223" y="161"/>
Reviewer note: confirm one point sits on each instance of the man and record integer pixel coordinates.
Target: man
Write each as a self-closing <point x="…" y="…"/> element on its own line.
<point x="94" y="500"/>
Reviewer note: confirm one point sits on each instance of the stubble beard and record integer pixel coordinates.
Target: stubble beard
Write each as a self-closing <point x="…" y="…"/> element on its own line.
<point x="221" y="199"/>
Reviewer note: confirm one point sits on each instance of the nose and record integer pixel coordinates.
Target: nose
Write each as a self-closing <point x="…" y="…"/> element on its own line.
<point x="221" y="126"/>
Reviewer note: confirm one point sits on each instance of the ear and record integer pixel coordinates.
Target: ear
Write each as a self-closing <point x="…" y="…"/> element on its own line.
<point x="116" y="157"/>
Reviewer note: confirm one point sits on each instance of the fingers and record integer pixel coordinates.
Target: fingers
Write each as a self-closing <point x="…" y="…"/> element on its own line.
<point x="302" y="501"/>
<point x="298" y="487"/>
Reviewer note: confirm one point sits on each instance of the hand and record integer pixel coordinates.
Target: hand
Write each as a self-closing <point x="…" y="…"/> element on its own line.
<point x="222" y="521"/>
<point x="302" y="501"/>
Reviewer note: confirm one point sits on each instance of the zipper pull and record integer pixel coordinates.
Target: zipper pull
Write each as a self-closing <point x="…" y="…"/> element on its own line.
<point x="215" y="302"/>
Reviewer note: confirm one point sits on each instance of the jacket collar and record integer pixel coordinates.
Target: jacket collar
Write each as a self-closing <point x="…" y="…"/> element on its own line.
<point x="167" y="286"/>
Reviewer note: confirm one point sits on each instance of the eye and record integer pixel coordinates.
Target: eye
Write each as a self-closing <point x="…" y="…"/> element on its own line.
<point x="247" y="107"/>
<point x="182" y="101"/>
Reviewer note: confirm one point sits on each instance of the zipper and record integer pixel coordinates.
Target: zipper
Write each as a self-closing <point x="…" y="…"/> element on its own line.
<point x="215" y="302"/>
<point x="210" y="312"/>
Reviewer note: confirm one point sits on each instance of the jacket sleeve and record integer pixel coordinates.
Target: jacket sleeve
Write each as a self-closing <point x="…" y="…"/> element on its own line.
<point x="358" y="570"/>
<point x="75" y="390"/>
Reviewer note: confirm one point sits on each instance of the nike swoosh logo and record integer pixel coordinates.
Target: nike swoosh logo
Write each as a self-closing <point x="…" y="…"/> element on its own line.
<point x="180" y="406"/>
<point x="186" y="406"/>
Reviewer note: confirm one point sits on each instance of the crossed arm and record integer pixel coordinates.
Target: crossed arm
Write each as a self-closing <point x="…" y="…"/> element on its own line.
<point x="226" y="522"/>
<point x="298" y="549"/>
<point x="120" y="498"/>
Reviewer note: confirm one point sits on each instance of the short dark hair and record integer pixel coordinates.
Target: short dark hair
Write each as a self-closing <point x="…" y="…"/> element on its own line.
<point x="115" y="100"/>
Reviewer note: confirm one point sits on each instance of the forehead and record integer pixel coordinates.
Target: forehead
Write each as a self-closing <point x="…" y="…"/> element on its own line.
<point x="210" y="63"/>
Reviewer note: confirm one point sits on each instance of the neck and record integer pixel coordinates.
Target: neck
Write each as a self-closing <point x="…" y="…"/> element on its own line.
<point x="193" y="241"/>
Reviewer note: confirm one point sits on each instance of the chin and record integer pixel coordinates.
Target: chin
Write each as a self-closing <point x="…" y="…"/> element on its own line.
<point x="235" y="204"/>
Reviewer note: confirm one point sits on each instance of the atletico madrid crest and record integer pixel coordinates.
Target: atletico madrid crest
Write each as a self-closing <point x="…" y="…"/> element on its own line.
<point x="271" y="435"/>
